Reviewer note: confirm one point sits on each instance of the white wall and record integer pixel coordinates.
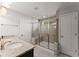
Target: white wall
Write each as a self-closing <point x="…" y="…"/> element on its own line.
<point x="9" y="21"/>
<point x="64" y="9"/>
<point x="24" y="25"/>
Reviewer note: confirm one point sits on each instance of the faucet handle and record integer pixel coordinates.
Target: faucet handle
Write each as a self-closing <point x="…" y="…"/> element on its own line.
<point x="2" y="37"/>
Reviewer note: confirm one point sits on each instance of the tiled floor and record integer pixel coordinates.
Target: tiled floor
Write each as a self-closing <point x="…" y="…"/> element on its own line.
<point x="62" y="55"/>
<point x="42" y="52"/>
<point x="52" y="46"/>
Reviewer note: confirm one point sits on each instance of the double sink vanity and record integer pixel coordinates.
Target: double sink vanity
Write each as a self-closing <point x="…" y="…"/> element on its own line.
<point x="14" y="47"/>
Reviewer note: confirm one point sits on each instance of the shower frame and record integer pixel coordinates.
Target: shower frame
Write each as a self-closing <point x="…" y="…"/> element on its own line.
<point x="39" y="26"/>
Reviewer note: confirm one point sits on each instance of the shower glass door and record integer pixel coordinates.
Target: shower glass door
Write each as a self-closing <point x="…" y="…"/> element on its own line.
<point x="48" y="34"/>
<point x="53" y="36"/>
<point x="35" y="33"/>
<point x="44" y="34"/>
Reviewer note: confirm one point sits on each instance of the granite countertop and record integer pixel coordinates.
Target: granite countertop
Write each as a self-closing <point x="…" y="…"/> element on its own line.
<point x="13" y="52"/>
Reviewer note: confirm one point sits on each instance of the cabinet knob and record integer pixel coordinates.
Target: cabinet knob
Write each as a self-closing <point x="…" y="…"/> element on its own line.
<point x="75" y="50"/>
<point x="75" y="34"/>
<point x="61" y="36"/>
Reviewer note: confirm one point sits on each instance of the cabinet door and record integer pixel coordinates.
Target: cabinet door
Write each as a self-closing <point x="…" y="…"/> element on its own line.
<point x="67" y="31"/>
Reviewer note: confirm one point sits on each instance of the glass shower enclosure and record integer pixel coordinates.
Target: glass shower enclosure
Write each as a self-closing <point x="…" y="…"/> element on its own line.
<point x="45" y="34"/>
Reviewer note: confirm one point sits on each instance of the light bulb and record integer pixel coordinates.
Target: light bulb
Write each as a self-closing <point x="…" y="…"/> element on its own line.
<point x="54" y="27"/>
<point x="44" y="16"/>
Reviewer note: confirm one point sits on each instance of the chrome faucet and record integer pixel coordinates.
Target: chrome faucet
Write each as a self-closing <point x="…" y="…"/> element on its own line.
<point x="3" y="43"/>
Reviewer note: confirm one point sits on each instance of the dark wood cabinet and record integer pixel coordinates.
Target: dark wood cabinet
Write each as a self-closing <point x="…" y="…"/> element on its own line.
<point x="29" y="53"/>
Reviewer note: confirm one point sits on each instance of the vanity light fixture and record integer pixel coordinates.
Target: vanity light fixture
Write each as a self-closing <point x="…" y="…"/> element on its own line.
<point x="44" y="16"/>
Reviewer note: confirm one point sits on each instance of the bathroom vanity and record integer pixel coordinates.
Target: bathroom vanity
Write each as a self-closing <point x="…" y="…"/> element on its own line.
<point x="17" y="48"/>
<point x="27" y="53"/>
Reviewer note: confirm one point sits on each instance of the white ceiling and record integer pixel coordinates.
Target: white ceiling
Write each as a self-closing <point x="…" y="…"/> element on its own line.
<point x="45" y="9"/>
<point x="38" y="9"/>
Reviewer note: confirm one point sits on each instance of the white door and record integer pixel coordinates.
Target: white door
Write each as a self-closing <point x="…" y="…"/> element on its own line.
<point x="67" y="34"/>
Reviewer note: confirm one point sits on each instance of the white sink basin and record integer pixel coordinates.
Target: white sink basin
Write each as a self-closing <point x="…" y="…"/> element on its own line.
<point x="14" y="45"/>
